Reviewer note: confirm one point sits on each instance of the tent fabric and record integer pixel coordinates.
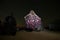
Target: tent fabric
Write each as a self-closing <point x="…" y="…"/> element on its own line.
<point x="32" y="20"/>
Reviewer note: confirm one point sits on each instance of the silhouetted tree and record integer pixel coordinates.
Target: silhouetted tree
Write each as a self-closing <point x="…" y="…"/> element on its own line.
<point x="10" y="25"/>
<point x="0" y="27"/>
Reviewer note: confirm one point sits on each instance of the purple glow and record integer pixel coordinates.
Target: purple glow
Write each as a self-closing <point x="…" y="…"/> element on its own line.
<point x="32" y="20"/>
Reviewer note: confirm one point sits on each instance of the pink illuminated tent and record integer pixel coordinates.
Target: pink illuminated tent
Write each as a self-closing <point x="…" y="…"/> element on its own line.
<point x="33" y="21"/>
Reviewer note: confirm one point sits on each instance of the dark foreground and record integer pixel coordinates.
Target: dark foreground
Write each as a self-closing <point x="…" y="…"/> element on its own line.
<point x="33" y="36"/>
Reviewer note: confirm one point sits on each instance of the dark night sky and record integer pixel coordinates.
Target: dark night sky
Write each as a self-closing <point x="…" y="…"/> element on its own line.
<point x="44" y="8"/>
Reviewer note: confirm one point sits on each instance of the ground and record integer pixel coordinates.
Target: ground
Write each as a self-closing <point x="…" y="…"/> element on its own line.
<point x="33" y="36"/>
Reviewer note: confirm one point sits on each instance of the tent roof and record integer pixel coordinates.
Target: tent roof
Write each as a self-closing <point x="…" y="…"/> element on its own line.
<point x="32" y="13"/>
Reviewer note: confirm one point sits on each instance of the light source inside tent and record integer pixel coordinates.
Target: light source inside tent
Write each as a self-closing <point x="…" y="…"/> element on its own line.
<point x="32" y="20"/>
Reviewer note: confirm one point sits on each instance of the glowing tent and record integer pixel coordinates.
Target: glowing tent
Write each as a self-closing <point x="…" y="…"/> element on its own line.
<point x="33" y="21"/>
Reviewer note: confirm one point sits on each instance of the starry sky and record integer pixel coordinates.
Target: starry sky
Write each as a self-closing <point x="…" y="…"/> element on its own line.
<point x="46" y="9"/>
